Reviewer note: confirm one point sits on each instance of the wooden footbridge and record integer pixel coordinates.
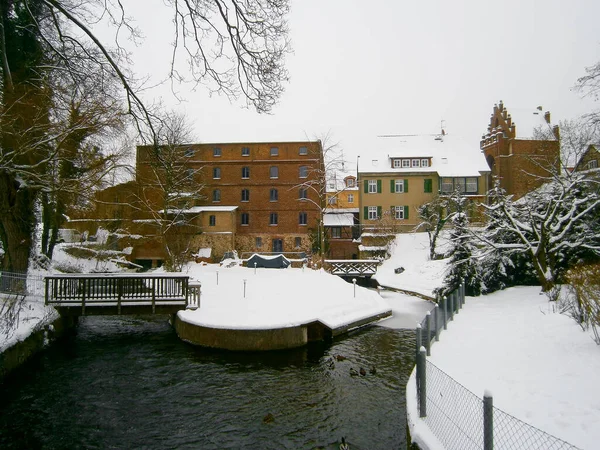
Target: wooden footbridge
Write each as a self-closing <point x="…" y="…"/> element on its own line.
<point x="110" y="294"/>
<point x="352" y="267"/>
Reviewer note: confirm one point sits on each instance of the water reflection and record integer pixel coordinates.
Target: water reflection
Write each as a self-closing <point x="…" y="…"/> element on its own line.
<point x="131" y="383"/>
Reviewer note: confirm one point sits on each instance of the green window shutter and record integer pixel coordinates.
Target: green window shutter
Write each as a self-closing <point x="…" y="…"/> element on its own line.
<point x="406" y="213"/>
<point x="379" y="212"/>
<point x="379" y="186"/>
<point x="366" y="186"/>
<point x="428" y="187"/>
<point x="405" y="185"/>
<point x="392" y="186"/>
<point x="365" y="212"/>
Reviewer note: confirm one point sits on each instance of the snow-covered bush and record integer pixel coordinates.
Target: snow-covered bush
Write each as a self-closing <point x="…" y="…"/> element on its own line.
<point x="583" y="299"/>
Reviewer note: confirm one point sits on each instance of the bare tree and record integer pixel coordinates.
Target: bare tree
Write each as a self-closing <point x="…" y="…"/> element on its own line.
<point x="434" y="216"/>
<point x="234" y="47"/>
<point x="169" y="187"/>
<point x="329" y="168"/>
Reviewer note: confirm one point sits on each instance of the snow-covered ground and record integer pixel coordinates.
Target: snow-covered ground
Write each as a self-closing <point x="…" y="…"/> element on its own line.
<point x="277" y="298"/>
<point x="539" y="365"/>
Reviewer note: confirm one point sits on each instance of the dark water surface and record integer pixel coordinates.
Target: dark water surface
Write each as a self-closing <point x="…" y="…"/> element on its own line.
<point x="131" y="383"/>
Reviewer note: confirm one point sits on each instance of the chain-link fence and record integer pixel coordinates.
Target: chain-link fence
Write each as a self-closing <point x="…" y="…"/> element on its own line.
<point x="22" y="284"/>
<point x="458" y="418"/>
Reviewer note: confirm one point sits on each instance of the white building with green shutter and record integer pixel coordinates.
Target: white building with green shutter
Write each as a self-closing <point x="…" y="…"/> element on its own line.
<point x="408" y="171"/>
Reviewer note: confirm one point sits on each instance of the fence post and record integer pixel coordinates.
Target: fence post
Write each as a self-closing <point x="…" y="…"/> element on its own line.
<point x="436" y="314"/>
<point x="445" y="300"/>
<point x="428" y="343"/>
<point x="488" y="421"/>
<point x="457" y="304"/>
<point x="463" y="292"/>
<point x="422" y="382"/>
<point x="46" y="289"/>
<point x="418" y="339"/>
<point x="451" y="309"/>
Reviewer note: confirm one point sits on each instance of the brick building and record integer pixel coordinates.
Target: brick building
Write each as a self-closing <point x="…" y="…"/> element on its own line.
<point x="521" y="148"/>
<point x="341" y="219"/>
<point x="249" y="197"/>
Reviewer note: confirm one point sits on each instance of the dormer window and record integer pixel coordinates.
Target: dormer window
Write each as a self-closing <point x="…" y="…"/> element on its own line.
<point x="424" y="163"/>
<point x="350" y="182"/>
<point x="416" y="163"/>
<point x="406" y="163"/>
<point x="397" y="163"/>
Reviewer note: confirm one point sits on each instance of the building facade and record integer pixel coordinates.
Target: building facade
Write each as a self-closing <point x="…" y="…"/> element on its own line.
<point x="248" y="197"/>
<point x="341" y="218"/>
<point x="408" y="172"/>
<point x="522" y="148"/>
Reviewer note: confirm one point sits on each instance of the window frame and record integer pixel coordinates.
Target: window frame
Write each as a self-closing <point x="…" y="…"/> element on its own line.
<point x="399" y="212"/>
<point x="245" y="195"/>
<point x="336" y="232"/>
<point x="303" y="150"/>
<point x="350" y="198"/>
<point x="372" y="185"/>
<point x="245" y="151"/>
<point x="258" y="242"/>
<point x="246" y="173"/>
<point x="275" y="170"/>
<point x="216" y="173"/>
<point x="406" y="163"/>
<point x="397" y="164"/>
<point x="273" y="219"/>
<point x="415" y="162"/>
<point x="212" y="220"/>
<point x="189" y="152"/>
<point x="303" y="172"/>
<point x="274" y="151"/>
<point x="217" y="152"/>
<point x="302" y="193"/>
<point x="297" y="242"/>
<point x="399" y="182"/>
<point x="273" y="195"/>
<point x="216" y="197"/>
<point x="245" y="219"/>
<point x="424" y="162"/>
<point x="303" y="218"/>
<point x="370" y="210"/>
<point x="472" y="182"/>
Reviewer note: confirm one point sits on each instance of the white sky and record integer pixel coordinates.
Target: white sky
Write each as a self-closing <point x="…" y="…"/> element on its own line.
<point x="401" y="67"/>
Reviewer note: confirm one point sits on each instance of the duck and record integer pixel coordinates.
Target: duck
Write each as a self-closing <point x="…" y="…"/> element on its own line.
<point x="340" y="357"/>
<point x="344" y="445"/>
<point x="373" y="370"/>
<point x="362" y="371"/>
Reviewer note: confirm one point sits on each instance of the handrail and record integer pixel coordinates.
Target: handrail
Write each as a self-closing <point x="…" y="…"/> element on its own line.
<point x="116" y="289"/>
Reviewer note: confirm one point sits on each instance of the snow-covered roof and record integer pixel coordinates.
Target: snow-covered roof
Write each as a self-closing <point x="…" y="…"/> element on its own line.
<point x="451" y="156"/>
<point x="341" y="210"/>
<point x="201" y="209"/>
<point x="338" y="220"/>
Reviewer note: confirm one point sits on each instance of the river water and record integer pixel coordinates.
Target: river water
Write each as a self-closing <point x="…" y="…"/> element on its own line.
<point x="129" y="382"/>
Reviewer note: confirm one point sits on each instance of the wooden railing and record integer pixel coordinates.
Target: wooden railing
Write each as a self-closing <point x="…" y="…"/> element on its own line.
<point x="352" y="267"/>
<point x="117" y="292"/>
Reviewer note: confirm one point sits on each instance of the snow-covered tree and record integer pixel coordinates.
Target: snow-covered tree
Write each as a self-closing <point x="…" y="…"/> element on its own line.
<point x="554" y="226"/>
<point x="462" y="265"/>
<point x="434" y="217"/>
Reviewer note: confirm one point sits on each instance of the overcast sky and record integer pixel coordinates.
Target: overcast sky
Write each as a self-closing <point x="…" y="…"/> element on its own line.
<point x="362" y="69"/>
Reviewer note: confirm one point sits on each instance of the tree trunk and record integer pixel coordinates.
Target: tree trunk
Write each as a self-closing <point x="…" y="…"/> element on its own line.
<point x="17" y="219"/>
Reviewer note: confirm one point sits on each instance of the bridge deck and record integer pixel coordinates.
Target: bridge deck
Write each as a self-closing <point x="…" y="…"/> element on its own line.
<point x="85" y="294"/>
<point x="352" y="267"/>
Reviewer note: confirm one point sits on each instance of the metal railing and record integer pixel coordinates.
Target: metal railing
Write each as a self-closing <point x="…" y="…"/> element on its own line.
<point x="19" y="283"/>
<point x="458" y="418"/>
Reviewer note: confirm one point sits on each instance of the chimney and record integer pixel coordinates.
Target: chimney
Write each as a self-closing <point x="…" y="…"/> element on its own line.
<point x="547" y="117"/>
<point x="556" y="132"/>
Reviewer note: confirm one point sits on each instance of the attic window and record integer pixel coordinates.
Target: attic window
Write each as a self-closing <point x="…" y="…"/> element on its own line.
<point x="406" y="163"/>
<point x="397" y="163"/>
<point x="374" y="162"/>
